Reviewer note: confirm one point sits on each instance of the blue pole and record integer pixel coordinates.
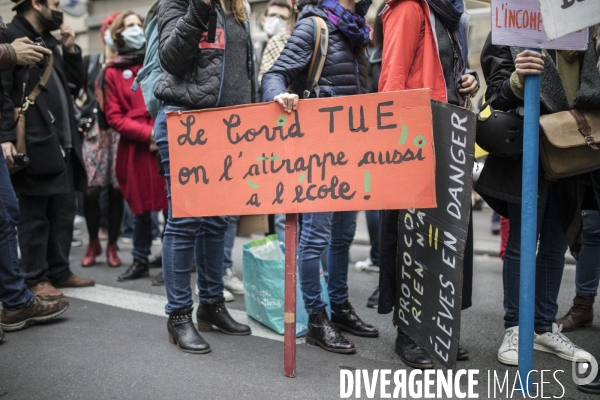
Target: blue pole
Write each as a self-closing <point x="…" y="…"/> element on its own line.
<point x="529" y="196"/>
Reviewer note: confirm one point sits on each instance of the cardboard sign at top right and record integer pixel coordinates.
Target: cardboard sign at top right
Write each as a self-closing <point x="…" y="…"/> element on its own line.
<point x="563" y="17"/>
<point x="519" y="23"/>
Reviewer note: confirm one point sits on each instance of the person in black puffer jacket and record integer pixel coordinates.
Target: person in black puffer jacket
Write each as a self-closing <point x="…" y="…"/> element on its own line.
<point x="344" y="73"/>
<point x="198" y="75"/>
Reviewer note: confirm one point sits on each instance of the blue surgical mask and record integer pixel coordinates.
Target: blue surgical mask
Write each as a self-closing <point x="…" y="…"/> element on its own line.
<point x="134" y="37"/>
<point x="108" y="39"/>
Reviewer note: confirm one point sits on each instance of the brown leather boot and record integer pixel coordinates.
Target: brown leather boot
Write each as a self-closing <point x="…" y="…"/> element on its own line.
<point x="46" y="290"/>
<point x="76" y="281"/>
<point x="580" y="314"/>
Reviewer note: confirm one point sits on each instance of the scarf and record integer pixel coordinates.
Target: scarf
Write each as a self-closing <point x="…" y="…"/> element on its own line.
<point x="126" y="58"/>
<point x="352" y="25"/>
<point x="450" y="12"/>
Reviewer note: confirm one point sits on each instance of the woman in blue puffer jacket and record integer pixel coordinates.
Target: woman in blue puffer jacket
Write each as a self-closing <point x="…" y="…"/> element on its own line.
<point x="344" y="73"/>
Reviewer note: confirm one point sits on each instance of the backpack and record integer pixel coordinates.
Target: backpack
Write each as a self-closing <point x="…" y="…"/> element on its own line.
<point x="321" y="36"/>
<point x="317" y="61"/>
<point x="151" y="70"/>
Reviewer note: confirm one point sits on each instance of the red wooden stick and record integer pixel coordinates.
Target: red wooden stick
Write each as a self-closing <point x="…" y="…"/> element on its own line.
<point x="289" y="334"/>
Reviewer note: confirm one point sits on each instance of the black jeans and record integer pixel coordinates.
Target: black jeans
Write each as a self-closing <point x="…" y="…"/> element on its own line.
<point x="45" y="235"/>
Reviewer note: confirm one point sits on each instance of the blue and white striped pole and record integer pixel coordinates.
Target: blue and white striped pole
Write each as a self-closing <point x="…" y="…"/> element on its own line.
<point x="529" y="200"/>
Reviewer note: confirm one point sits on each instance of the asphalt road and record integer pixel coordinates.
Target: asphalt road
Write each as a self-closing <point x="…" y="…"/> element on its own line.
<point x="112" y="343"/>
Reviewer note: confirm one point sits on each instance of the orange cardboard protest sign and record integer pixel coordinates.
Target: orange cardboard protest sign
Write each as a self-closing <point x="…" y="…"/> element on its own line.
<point x="367" y="152"/>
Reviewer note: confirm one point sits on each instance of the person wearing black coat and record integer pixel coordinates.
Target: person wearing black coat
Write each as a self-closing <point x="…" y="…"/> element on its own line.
<point x="569" y="80"/>
<point x="46" y="187"/>
<point x="344" y="73"/>
<point x="20" y="307"/>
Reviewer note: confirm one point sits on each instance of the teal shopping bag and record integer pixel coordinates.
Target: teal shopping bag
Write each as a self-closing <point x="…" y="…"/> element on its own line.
<point x="264" y="275"/>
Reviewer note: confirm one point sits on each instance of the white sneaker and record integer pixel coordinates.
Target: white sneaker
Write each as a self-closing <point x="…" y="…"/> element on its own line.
<point x="232" y="282"/>
<point x="508" y="353"/>
<point x="226" y="293"/>
<point x="366" y="265"/>
<point x="556" y="343"/>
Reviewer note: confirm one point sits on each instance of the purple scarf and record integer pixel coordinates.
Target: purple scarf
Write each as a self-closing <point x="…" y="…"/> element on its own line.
<point x="352" y="25"/>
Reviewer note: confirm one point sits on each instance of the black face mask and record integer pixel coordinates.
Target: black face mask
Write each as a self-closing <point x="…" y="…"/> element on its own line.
<point x="363" y="6"/>
<point x="55" y="21"/>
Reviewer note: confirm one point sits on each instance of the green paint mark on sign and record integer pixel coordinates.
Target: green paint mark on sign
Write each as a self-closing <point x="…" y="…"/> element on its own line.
<point x="274" y="158"/>
<point x="253" y="185"/>
<point x="281" y="120"/>
<point x="367" y="181"/>
<point x="261" y="158"/>
<point x="404" y="134"/>
<point x="420" y="141"/>
<point x="302" y="176"/>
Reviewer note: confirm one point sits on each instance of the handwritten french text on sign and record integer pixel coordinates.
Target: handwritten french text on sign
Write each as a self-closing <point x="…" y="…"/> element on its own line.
<point x="567" y="16"/>
<point x="519" y="23"/>
<point x="431" y="243"/>
<point x="366" y="152"/>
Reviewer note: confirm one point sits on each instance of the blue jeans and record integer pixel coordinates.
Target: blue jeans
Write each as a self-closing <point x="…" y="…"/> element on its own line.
<point x="587" y="272"/>
<point x="142" y="237"/>
<point x="13" y="290"/>
<point x="188" y="238"/>
<point x="127" y="222"/>
<point x="230" y="241"/>
<point x="550" y="261"/>
<point x="279" y="220"/>
<point x="373" y="225"/>
<point x="319" y="229"/>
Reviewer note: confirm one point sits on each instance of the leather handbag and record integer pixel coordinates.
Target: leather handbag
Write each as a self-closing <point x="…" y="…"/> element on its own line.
<point x="570" y="142"/>
<point x="19" y="112"/>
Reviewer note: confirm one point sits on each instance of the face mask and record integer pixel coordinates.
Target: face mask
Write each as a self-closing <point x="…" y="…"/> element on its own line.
<point x="108" y="39"/>
<point x="274" y="26"/>
<point x="363" y="6"/>
<point x="134" y="37"/>
<point x="55" y="21"/>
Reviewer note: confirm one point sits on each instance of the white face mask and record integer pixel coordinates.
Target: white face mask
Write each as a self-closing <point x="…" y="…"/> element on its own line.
<point x="274" y="26"/>
<point x="134" y="37"/>
<point x="108" y="39"/>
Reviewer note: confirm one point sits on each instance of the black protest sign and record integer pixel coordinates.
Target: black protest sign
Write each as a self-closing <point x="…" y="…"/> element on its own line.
<point x="431" y="242"/>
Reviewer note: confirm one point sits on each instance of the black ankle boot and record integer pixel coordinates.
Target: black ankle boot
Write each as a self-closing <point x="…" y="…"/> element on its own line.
<point x="322" y="333"/>
<point x="158" y="280"/>
<point x="411" y="353"/>
<point x="344" y="317"/>
<point x="135" y="271"/>
<point x="183" y="333"/>
<point x="463" y="354"/>
<point x="373" y="301"/>
<point x="216" y="314"/>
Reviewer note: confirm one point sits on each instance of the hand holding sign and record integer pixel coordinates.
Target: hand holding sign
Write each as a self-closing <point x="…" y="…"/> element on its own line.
<point x="289" y="101"/>
<point x="529" y="62"/>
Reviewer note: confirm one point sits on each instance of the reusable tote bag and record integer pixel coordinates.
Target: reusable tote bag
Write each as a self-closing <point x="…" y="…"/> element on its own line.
<point x="264" y="277"/>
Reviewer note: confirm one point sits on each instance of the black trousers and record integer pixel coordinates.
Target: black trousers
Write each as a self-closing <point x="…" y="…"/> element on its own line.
<point x="45" y="235"/>
<point x="46" y="232"/>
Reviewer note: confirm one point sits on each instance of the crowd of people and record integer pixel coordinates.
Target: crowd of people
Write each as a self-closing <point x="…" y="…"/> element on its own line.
<point x="73" y="124"/>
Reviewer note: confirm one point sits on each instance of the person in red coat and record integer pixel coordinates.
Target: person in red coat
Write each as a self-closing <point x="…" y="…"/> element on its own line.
<point x="136" y="166"/>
